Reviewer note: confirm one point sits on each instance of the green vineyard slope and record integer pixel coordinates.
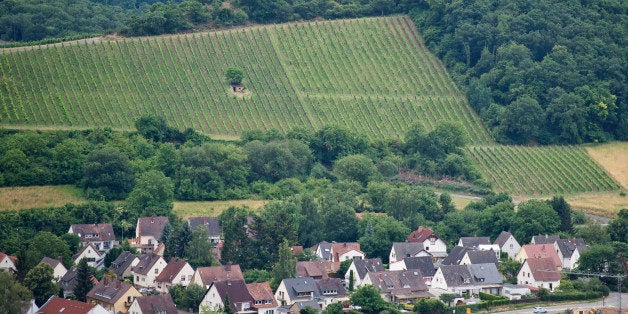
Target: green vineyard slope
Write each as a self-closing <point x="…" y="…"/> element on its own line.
<point x="372" y="75"/>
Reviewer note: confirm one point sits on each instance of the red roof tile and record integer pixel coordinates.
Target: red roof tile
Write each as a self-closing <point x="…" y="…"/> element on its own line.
<point x="171" y="270"/>
<point x="262" y="294"/>
<point x="421" y="234"/>
<point x="58" y="305"/>
<point x="219" y="273"/>
<point x="543" y="250"/>
<point x="543" y="269"/>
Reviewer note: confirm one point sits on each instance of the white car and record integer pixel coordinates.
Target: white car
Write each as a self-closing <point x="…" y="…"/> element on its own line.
<point x="539" y="309"/>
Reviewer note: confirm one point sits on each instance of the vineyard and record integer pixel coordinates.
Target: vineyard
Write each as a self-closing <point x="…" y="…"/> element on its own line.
<point x="542" y="171"/>
<point x="371" y="75"/>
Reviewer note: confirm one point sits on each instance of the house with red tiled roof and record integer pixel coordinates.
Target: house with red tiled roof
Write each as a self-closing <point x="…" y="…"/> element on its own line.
<point x="431" y="242"/>
<point x="58" y="270"/>
<point x="56" y="305"/>
<point x="148" y="268"/>
<point x="100" y="235"/>
<point x="177" y="272"/>
<point x="205" y="276"/>
<point x="263" y="298"/>
<point x="315" y="269"/>
<point x="404" y="286"/>
<point x="338" y="251"/>
<point x="539" y="251"/>
<point x="153" y="304"/>
<point x="539" y="273"/>
<point x="7" y="262"/>
<point x="115" y="296"/>
<point x="148" y="231"/>
<point x="240" y="299"/>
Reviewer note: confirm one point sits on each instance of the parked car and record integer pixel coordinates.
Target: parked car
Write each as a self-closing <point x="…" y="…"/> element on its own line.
<point x="539" y="309"/>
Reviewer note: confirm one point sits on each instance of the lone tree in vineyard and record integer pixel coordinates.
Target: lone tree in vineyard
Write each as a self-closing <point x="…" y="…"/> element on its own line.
<point x="234" y="76"/>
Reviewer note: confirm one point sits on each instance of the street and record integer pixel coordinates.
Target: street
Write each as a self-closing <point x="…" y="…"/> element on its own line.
<point x="611" y="301"/>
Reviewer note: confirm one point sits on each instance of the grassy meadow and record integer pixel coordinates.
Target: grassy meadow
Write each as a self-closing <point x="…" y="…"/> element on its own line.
<point x="16" y="198"/>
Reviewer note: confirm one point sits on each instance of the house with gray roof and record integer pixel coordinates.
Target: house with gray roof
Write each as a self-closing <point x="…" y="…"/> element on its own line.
<point x="570" y="250"/>
<point x="401" y="250"/>
<point x="479" y="257"/>
<point x="332" y="290"/>
<point x="507" y="243"/>
<point x="424" y="264"/>
<point x="544" y="239"/>
<point x="301" y="289"/>
<point x="298" y="306"/>
<point x="209" y="224"/>
<point x="468" y="279"/>
<point x="360" y="267"/>
<point x="123" y="265"/>
<point x="455" y="256"/>
<point x="474" y="242"/>
<point x="403" y="286"/>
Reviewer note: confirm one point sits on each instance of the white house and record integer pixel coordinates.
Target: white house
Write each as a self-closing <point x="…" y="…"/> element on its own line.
<point x="470" y="279"/>
<point x="148" y="231"/>
<point x="569" y="250"/>
<point x="153" y="304"/>
<point x="507" y="243"/>
<point x="89" y="252"/>
<point x="338" y="252"/>
<point x="515" y="292"/>
<point x="539" y="273"/>
<point x="58" y="270"/>
<point x="401" y="250"/>
<point x="205" y="276"/>
<point x="7" y="262"/>
<point x="424" y="264"/>
<point x="100" y="235"/>
<point x="147" y="270"/>
<point x="293" y="290"/>
<point x="360" y="267"/>
<point x="177" y="272"/>
<point x="432" y="243"/>
<point x="240" y="299"/>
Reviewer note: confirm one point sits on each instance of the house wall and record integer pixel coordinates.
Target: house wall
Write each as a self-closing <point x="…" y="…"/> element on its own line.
<point x="353" y="254"/>
<point x="439" y="281"/>
<point x="7" y="264"/>
<point x="525" y="277"/>
<point x="211" y="301"/>
<point x="398" y="265"/>
<point x="89" y="254"/>
<point x="521" y="256"/>
<point x="282" y="296"/>
<point x="511" y="247"/>
<point x="59" y="272"/>
<point x="148" y="280"/>
<point x="356" y="280"/>
<point x="438" y="246"/>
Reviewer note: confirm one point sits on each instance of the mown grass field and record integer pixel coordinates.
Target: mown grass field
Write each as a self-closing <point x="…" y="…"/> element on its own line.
<point x="373" y="75"/>
<point x="614" y="158"/>
<point x="541" y="171"/>
<point x="191" y="209"/>
<point x="16" y="198"/>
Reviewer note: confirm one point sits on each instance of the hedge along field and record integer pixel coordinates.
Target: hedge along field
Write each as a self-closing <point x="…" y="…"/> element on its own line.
<point x="542" y="171"/>
<point x="373" y="75"/>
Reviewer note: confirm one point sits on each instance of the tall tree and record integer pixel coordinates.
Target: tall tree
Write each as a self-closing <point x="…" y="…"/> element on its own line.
<point x="83" y="281"/>
<point x="40" y="281"/>
<point x="108" y="173"/>
<point x="535" y="217"/>
<point x="563" y="210"/>
<point x="618" y="227"/>
<point x="152" y="195"/>
<point x="13" y="296"/>
<point x="286" y="264"/>
<point x="198" y="250"/>
<point x="310" y="220"/>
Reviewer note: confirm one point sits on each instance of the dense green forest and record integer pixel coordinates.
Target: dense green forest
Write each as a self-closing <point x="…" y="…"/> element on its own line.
<point x="536" y="71"/>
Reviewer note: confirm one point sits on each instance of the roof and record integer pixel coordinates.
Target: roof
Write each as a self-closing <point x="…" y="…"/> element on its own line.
<point x="474" y="241"/>
<point x="56" y="305"/>
<point x="50" y="261"/>
<point x="219" y="273"/>
<point x="502" y="238"/>
<point x="482" y="257"/>
<point x="457" y="275"/>
<point x="153" y="304"/>
<point x="486" y="273"/>
<point x="455" y="256"/>
<point x="174" y="267"/>
<point x="301" y="284"/>
<point x="123" y="262"/>
<point x="12" y="258"/>
<point x="212" y="224"/>
<point x="542" y="250"/>
<point x="543" y="269"/>
<point x="147" y="261"/>
<point x="109" y="291"/>
<point x="68" y="281"/>
<point x="363" y="266"/>
<point x="261" y="291"/>
<point x="151" y="226"/>
<point x="325" y="248"/>
<point x="399" y="282"/>
<point x="422" y="234"/>
<point x="331" y="284"/>
<point x="568" y="246"/>
<point x="545" y="239"/>
<point x="303" y="304"/>
<point x="344" y="247"/>
<point x="83" y="249"/>
<point x="406" y="249"/>
<point x="315" y="268"/>
<point x="296" y="249"/>
<point x="422" y="263"/>
<point x="94" y="232"/>
<point x="237" y="291"/>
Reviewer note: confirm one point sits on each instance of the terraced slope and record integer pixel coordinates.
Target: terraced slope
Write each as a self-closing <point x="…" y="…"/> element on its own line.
<point x="372" y="75"/>
<point x="541" y="171"/>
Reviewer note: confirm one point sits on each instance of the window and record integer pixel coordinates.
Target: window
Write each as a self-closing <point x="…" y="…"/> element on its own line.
<point x="156" y="270"/>
<point x="183" y="278"/>
<point x="511" y="245"/>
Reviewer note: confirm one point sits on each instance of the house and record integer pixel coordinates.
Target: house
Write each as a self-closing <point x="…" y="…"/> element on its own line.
<point x="58" y="270"/>
<point x="360" y="267"/>
<point x="160" y="249"/>
<point x="205" y="276"/>
<point x="176" y="272"/>
<point x="315" y="269"/>
<point x="298" y="306"/>
<point x="480" y="244"/>
<point x="56" y="305"/>
<point x="468" y="279"/>
<point x="569" y="250"/>
<point x="424" y="264"/>
<point x="89" y="252"/>
<point x="515" y="292"/>
<point x="539" y="273"/>
<point x="332" y="290"/>
<point x="479" y="257"/>
<point x="338" y="252"/>
<point x="432" y="243"/>
<point x="124" y="263"/>
<point x="263" y="298"/>
<point x="148" y="268"/>
<point x="544" y="239"/>
<point x="153" y="304"/>
<point x="507" y="243"/>
<point x="148" y="231"/>
<point x="115" y="296"/>
<point x="293" y="290"/>
<point x="296" y="250"/>
<point x="239" y="297"/>
<point x="7" y="262"/>
<point x="100" y="235"/>
<point x="210" y="224"/>
<point x="539" y="251"/>
<point x="401" y="250"/>
<point x="68" y="282"/>
<point x="455" y="256"/>
<point x="402" y="286"/>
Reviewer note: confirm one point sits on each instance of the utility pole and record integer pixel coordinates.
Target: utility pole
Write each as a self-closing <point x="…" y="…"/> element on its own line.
<point x="619" y="278"/>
